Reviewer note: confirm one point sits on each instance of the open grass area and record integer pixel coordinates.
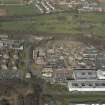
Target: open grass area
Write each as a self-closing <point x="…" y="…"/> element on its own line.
<point x="82" y="99"/>
<point x="49" y="23"/>
<point x="20" y="10"/>
<point x="61" y="94"/>
<point x="10" y="1"/>
<point x="59" y="23"/>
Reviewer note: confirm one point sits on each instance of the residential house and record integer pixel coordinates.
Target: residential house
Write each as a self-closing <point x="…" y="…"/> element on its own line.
<point x="47" y="72"/>
<point x="101" y="74"/>
<point x="39" y="56"/>
<point x="60" y="74"/>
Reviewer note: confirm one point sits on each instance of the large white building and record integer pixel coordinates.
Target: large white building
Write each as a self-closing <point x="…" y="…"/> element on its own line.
<point x="87" y="80"/>
<point x="86" y="85"/>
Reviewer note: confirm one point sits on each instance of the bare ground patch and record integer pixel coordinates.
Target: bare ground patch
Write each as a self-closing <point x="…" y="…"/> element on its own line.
<point x="3" y="12"/>
<point x="102" y="1"/>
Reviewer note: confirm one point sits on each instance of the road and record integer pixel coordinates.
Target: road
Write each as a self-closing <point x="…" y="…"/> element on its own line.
<point x="28" y="59"/>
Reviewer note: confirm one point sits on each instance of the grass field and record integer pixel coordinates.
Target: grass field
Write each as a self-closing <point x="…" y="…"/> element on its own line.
<point x="43" y="24"/>
<point x="95" y="98"/>
<point x="10" y="1"/>
<point x="61" y="94"/>
<point x="18" y="10"/>
<point x="60" y="23"/>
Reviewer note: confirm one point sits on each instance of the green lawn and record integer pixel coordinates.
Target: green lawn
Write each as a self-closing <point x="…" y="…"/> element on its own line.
<point x="59" y="23"/>
<point x="20" y="10"/>
<point x="53" y="23"/>
<point x="61" y="94"/>
<point x="83" y="98"/>
<point x="9" y="1"/>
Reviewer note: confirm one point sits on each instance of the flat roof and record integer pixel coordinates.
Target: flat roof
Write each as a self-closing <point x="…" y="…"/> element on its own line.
<point x="86" y="85"/>
<point x="85" y="74"/>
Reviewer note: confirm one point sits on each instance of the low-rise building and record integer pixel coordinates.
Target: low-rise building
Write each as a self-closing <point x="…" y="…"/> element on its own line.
<point x="14" y="67"/>
<point x="61" y="74"/>
<point x="84" y="74"/>
<point x="28" y="75"/>
<point x="39" y="56"/>
<point x="86" y="85"/>
<point x="100" y="61"/>
<point x="101" y="74"/>
<point x="47" y="72"/>
<point x="90" y="53"/>
<point x="11" y="44"/>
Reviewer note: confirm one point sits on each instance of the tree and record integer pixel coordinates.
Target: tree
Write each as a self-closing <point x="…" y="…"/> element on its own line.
<point x="4" y="102"/>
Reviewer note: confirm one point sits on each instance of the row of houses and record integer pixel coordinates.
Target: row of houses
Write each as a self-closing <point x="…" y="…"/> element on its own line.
<point x="48" y="6"/>
<point x="44" y="6"/>
<point x="11" y="44"/>
<point x="80" y="5"/>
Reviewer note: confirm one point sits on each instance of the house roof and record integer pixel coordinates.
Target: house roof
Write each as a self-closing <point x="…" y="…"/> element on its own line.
<point x="84" y="74"/>
<point x="101" y="74"/>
